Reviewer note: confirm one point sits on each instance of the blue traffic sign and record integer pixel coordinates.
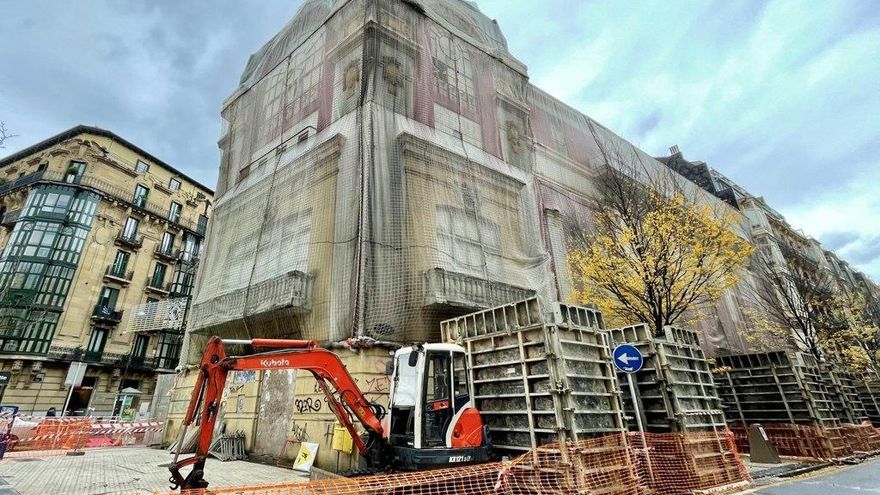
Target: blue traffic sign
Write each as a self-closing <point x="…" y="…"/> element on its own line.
<point x="627" y="358"/>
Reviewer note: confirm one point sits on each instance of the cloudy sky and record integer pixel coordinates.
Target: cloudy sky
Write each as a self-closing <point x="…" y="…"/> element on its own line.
<point x="782" y="97"/>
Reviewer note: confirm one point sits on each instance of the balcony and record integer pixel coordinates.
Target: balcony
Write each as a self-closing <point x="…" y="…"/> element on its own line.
<point x="158" y="287"/>
<point x="118" y="274"/>
<point x="105" y="314"/>
<point x="135" y="362"/>
<point x="131" y="241"/>
<point x="466" y="291"/>
<point x="9" y="218"/>
<point x="168" y="254"/>
<point x="92" y="356"/>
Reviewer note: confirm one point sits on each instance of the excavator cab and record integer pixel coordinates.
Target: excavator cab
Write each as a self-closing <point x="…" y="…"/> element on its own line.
<point x="433" y="419"/>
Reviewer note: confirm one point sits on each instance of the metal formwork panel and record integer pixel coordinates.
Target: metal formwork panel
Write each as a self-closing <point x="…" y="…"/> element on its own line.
<point x="774" y="387"/>
<point x="869" y="392"/>
<point x="539" y="377"/>
<point x="845" y="400"/>
<point x="675" y="386"/>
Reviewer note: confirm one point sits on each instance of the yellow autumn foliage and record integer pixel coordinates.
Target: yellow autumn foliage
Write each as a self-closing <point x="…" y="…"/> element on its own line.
<point x="678" y="256"/>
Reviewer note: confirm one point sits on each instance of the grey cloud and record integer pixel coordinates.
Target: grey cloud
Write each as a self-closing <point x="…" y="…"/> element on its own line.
<point x="839" y="240"/>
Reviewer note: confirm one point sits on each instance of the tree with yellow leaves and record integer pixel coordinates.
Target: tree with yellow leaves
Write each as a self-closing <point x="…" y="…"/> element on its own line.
<point x="655" y="251"/>
<point x="805" y="303"/>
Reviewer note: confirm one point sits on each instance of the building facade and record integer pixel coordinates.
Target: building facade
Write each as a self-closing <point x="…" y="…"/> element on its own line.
<point x="387" y="165"/>
<point x="782" y="245"/>
<point x="100" y="241"/>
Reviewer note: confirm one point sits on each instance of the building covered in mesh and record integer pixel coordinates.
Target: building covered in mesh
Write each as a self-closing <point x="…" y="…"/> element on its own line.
<point x="387" y="165"/>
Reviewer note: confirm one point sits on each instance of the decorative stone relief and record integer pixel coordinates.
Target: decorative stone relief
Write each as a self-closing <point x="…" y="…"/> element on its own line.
<point x="393" y="74"/>
<point x="514" y="137"/>
<point x="352" y="78"/>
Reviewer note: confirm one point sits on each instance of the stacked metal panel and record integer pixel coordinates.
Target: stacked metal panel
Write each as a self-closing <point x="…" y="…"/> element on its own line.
<point x="540" y="376"/>
<point x="869" y="392"/>
<point x="845" y="400"/>
<point x="774" y="387"/>
<point x="675" y="387"/>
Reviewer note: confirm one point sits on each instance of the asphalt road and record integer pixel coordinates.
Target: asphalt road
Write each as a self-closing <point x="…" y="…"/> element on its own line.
<point x="863" y="479"/>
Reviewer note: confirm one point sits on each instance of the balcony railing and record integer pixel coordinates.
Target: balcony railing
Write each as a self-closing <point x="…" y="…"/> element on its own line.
<point x="92" y="356"/>
<point x="135" y="362"/>
<point x="467" y="291"/>
<point x="106" y="314"/>
<point x="167" y="253"/>
<point x="158" y="286"/>
<point x="119" y="273"/>
<point x="133" y="241"/>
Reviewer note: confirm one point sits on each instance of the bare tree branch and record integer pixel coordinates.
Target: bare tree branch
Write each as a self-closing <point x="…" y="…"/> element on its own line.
<point x="5" y="134"/>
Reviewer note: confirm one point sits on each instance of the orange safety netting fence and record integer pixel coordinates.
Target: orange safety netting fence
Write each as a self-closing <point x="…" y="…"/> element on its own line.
<point x="29" y="436"/>
<point x="812" y="441"/>
<point x="622" y="464"/>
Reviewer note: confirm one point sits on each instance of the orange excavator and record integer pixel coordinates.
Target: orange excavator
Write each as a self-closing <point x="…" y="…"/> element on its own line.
<point x="432" y="419"/>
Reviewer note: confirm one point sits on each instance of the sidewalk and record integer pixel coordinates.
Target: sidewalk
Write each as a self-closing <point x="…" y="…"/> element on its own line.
<point x="122" y="470"/>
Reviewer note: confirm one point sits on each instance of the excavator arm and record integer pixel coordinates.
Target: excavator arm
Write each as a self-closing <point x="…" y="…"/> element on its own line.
<point x="343" y="397"/>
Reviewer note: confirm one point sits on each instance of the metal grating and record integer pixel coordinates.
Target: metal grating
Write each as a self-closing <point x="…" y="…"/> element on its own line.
<point x="538" y="377"/>
<point x="675" y="387"/>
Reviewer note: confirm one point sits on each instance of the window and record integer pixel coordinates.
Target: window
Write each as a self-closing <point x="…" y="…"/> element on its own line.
<point x="142" y="167"/>
<point x="108" y="297"/>
<point x="158" y="275"/>
<point x="437" y="407"/>
<point x="304" y="78"/>
<point x="183" y="282"/>
<point x="140" y="196"/>
<point x="139" y="349"/>
<point x="470" y="244"/>
<point x="168" y="350"/>
<point x="96" y="343"/>
<point x="131" y="228"/>
<point x="453" y="73"/>
<point x="174" y="211"/>
<point x="74" y="172"/>
<point x="174" y="184"/>
<point x="167" y="243"/>
<point x="203" y="224"/>
<point x="191" y="246"/>
<point x="120" y="263"/>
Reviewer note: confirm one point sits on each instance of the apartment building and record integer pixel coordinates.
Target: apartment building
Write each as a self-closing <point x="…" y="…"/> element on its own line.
<point x="100" y="242"/>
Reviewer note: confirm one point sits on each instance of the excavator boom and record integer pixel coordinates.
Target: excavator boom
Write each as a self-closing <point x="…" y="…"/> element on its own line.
<point x="343" y="396"/>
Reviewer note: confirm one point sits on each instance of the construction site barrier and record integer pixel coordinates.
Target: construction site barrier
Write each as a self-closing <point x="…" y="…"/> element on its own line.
<point x="814" y="442"/>
<point x="32" y="436"/>
<point x="618" y="464"/>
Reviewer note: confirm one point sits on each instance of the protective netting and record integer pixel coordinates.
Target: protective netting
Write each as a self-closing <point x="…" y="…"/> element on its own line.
<point x="167" y="314"/>
<point x="386" y="165"/>
<point x="621" y="464"/>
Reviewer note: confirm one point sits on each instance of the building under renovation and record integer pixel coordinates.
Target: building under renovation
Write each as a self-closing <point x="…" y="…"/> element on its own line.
<point x="387" y="165"/>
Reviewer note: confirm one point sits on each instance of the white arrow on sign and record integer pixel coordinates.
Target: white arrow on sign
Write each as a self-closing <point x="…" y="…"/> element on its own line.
<point x="626" y="359"/>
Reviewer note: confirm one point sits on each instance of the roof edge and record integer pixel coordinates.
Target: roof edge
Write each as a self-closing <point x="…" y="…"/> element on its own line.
<point x="86" y="129"/>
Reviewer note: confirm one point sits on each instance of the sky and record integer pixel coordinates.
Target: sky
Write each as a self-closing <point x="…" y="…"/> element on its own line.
<point x="783" y="97"/>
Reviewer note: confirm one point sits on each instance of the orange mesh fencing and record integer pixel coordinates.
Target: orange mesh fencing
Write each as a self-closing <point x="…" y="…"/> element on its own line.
<point x="46" y="435"/>
<point x="863" y="437"/>
<point x="810" y="441"/>
<point x="622" y="464"/>
<point x="30" y="436"/>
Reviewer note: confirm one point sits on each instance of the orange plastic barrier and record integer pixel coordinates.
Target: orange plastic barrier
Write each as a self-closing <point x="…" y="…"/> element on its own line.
<point x="813" y="441"/>
<point x="624" y="464"/>
<point x="47" y="434"/>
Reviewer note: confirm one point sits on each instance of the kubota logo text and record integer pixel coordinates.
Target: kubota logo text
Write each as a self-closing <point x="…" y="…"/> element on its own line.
<point x="274" y="363"/>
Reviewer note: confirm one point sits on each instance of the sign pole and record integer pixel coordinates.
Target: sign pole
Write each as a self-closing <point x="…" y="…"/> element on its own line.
<point x="638" y="411"/>
<point x="629" y="359"/>
<point x="67" y="401"/>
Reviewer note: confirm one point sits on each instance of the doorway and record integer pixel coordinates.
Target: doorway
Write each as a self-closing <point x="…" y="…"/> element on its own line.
<point x="82" y="397"/>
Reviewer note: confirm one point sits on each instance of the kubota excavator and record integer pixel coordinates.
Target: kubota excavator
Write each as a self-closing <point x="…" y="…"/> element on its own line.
<point x="432" y="422"/>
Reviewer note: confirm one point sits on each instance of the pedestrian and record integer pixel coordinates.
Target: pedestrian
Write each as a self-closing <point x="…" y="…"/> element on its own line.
<point x="50" y="413"/>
